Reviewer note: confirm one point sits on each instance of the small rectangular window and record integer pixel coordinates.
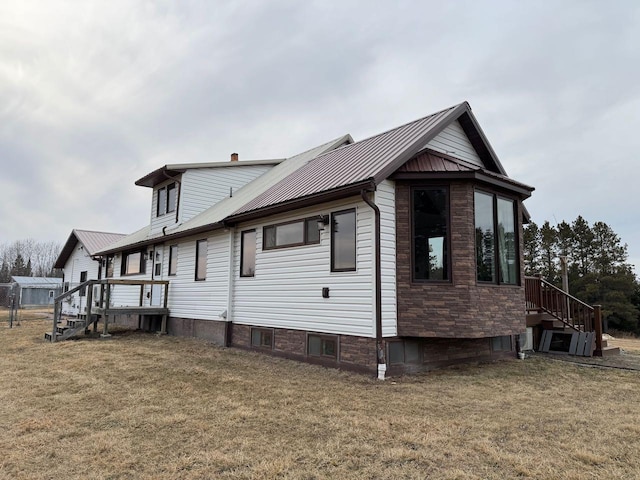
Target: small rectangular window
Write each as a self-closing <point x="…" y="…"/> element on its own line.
<point x="248" y="254"/>
<point x="262" y="338"/>
<point x="161" y="207"/>
<point x="322" y="346"/>
<point x="404" y="351"/>
<point x="201" y="260"/>
<point x="291" y="234"/>
<point x="83" y="278"/>
<point x="132" y="263"/>
<point x="343" y="241"/>
<point x="173" y="259"/>
<point x="501" y="344"/>
<point x="109" y="267"/>
<point x="171" y="197"/>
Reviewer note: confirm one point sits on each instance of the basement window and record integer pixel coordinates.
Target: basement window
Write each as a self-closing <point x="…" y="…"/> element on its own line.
<point x="262" y="338"/>
<point x="501" y="344"/>
<point x="403" y="352"/>
<point x="322" y="346"/>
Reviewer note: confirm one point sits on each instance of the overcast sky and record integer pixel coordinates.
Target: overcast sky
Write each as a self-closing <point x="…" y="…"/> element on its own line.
<point x="95" y="94"/>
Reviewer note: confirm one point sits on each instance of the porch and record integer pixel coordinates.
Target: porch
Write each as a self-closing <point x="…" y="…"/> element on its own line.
<point x="561" y="323"/>
<point x="99" y="306"/>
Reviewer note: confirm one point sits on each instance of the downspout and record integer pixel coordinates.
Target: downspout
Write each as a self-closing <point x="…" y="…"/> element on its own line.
<point x="228" y="332"/>
<point x="380" y="354"/>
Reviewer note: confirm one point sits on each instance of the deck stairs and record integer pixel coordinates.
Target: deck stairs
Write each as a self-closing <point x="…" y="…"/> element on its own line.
<point x="568" y="324"/>
<point x="72" y="326"/>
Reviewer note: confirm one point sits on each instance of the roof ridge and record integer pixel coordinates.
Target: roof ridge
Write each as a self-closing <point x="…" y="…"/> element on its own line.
<point x="98" y="231"/>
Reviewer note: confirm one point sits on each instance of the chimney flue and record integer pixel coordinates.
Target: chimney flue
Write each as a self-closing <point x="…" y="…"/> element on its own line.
<point x="234" y="157"/>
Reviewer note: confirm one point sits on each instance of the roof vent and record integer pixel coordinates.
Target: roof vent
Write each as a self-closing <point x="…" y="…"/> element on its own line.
<point x="234" y="157"/>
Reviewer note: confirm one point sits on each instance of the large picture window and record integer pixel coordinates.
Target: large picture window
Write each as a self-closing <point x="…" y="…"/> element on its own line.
<point x="343" y="241"/>
<point x="496" y="239"/>
<point x="201" y="260"/>
<point x="430" y="215"/>
<point x="291" y="234"/>
<point x="248" y="254"/>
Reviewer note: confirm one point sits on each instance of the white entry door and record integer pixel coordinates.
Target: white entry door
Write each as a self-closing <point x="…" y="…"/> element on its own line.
<point x="156" y="290"/>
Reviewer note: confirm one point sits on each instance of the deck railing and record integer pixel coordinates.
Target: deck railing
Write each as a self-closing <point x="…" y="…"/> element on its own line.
<point x="102" y="305"/>
<point x="544" y="297"/>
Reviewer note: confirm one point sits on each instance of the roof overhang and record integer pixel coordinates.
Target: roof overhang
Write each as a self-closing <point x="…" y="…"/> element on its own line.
<point x="301" y="202"/>
<point x="172" y="171"/>
<point x="66" y="251"/>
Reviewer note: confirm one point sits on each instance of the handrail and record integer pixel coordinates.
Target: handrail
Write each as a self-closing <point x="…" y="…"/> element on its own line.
<point x="105" y="282"/>
<point x="543" y="296"/>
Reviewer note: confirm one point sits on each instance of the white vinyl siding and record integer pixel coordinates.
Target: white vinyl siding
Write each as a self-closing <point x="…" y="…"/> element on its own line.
<point x="129" y="295"/>
<point x="454" y="142"/>
<point x="286" y="291"/>
<point x="79" y="261"/>
<point x="204" y="187"/>
<point x="206" y="299"/>
<point x="385" y="199"/>
<point x="166" y="220"/>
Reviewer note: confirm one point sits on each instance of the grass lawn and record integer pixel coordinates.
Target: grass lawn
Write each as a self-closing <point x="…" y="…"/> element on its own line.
<point x="141" y="406"/>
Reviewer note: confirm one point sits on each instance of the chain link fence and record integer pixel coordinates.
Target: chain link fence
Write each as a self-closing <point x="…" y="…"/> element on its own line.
<point x="21" y="304"/>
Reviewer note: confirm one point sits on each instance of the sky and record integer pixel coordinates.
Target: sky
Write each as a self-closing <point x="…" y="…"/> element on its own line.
<point x="96" y="94"/>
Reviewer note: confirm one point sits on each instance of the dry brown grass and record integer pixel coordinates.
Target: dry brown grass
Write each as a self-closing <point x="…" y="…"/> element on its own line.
<point x="140" y="406"/>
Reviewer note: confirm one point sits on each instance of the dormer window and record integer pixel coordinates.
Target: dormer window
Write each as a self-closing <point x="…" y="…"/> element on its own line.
<point x="166" y="202"/>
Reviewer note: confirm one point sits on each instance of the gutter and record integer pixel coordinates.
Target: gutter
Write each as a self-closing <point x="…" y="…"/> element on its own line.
<point x="380" y="354"/>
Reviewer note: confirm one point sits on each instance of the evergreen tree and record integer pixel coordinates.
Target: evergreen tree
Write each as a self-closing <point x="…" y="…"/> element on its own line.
<point x="549" y="250"/>
<point x="532" y="252"/>
<point x="18" y="268"/>
<point x="582" y="245"/>
<point x="27" y="270"/>
<point x="5" y="273"/>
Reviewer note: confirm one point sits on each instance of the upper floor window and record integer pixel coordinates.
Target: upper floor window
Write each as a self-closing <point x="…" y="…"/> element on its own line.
<point x="290" y="234"/>
<point x="343" y="241"/>
<point x="430" y="221"/>
<point x="166" y="201"/>
<point x="496" y="240"/>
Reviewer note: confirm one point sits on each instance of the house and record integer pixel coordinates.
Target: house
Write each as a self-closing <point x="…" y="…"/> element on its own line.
<point x="79" y="263"/>
<point x="34" y="292"/>
<point x="399" y="252"/>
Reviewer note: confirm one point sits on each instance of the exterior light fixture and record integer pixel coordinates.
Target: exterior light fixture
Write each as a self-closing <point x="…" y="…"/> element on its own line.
<point x="323" y="220"/>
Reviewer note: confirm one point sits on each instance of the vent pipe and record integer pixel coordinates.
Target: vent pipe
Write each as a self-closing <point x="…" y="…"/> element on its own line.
<point x="234" y="157"/>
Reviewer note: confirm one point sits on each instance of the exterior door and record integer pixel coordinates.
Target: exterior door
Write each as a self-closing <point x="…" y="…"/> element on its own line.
<point x="156" y="274"/>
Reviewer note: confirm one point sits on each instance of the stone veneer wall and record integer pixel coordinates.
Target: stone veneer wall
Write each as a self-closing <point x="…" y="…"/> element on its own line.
<point x="461" y="308"/>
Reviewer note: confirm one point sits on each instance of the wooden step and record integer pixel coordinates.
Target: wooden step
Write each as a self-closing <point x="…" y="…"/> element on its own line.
<point x="47" y="336"/>
<point x="610" y="351"/>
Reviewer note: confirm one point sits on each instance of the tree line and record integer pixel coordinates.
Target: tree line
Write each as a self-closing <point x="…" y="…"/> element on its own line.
<point x="28" y="258"/>
<point x="597" y="263"/>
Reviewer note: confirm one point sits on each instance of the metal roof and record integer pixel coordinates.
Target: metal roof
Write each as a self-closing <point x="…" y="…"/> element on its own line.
<point x="165" y="173"/>
<point x="374" y="159"/>
<point x="213" y="216"/>
<point x="92" y="241"/>
<point x="43" y="282"/>
<point x="431" y="162"/>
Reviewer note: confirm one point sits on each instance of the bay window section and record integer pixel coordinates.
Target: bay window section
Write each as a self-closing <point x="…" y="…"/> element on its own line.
<point x="430" y="221"/>
<point x="496" y="239"/>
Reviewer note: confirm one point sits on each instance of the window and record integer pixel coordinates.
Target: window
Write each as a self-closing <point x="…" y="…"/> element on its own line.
<point x="83" y="278"/>
<point x="501" y="344"/>
<point x="109" y="266"/>
<point x="322" y="346"/>
<point x="166" y="202"/>
<point x="171" y="197"/>
<point x="291" y="234"/>
<point x="403" y="352"/>
<point x="430" y="221"/>
<point x="173" y="259"/>
<point x="248" y="254"/>
<point x="132" y="263"/>
<point x="343" y="241"/>
<point x="496" y="239"/>
<point x="201" y="260"/>
<point x="262" y="338"/>
<point x="51" y="293"/>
